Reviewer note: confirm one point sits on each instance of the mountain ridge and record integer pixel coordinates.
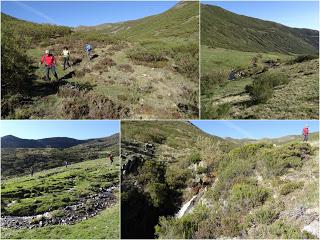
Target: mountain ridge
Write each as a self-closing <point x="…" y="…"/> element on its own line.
<point x="221" y="28"/>
<point x="10" y="141"/>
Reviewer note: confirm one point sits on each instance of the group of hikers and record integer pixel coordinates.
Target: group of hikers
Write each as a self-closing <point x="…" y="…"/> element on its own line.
<point x="49" y="60"/>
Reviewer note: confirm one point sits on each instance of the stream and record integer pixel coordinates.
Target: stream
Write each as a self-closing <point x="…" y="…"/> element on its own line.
<point x="186" y="207"/>
<point x="87" y="207"/>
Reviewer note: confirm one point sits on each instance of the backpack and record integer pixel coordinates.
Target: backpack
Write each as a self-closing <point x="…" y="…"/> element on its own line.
<point x="88" y="47"/>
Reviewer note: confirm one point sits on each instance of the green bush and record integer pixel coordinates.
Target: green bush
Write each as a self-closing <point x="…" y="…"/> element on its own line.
<point x="15" y="64"/>
<point x="260" y="91"/>
<point x="280" y="229"/>
<point x="265" y="214"/>
<point x="262" y="87"/>
<point x="147" y="54"/>
<point x="176" y="177"/>
<point x="245" y="196"/>
<point x="212" y="79"/>
<point x="302" y="58"/>
<point x="215" y="111"/>
<point x="184" y="227"/>
<point x="290" y="187"/>
<point x="277" y="161"/>
<point x="195" y="157"/>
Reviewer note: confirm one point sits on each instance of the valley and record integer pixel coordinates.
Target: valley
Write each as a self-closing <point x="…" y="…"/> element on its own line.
<point x="60" y="192"/>
<point x="181" y="182"/>
<point x="141" y="69"/>
<point x="249" y="72"/>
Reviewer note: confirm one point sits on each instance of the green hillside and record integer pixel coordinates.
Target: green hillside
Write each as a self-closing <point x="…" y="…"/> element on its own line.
<point x="223" y="29"/>
<point x="70" y="192"/>
<point x="252" y="69"/>
<point x="78" y="201"/>
<point x="32" y="33"/>
<point x="181" y="21"/>
<point x="22" y="161"/>
<point x="232" y="189"/>
<point x="146" y="68"/>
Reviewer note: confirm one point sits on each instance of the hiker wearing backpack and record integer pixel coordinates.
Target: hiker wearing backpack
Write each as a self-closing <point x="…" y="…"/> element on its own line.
<point x="49" y="62"/>
<point x="66" y="56"/>
<point x="305" y="133"/>
<point x="88" y="49"/>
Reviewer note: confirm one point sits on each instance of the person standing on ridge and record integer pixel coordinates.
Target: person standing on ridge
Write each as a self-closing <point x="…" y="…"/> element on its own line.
<point x="66" y="56"/>
<point x="305" y="133"/>
<point x="88" y="49"/>
<point x="49" y="62"/>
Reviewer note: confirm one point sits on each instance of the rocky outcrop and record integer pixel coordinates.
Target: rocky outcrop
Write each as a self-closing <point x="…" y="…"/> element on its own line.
<point x="133" y="155"/>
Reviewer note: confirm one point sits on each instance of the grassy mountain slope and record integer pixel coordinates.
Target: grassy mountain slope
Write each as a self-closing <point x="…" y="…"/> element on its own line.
<point x="21" y="161"/>
<point x="181" y="21"/>
<point x="33" y="31"/>
<point x="222" y="98"/>
<point x="223" y="29"/>
<point x="63" y="202"/>
<point x="149" y="70"/>
<point x="234" y="184"/>
<point x="256" y="69"/>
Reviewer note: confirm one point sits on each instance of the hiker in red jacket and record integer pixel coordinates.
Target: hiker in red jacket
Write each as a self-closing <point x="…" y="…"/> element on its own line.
<point x="110" y="157"/>
<point x="49" y="62"/>
<point x="305" y="133"/>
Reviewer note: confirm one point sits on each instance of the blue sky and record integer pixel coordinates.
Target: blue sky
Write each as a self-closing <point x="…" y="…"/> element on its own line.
<point x="79" y="129"/>
<point x="255" y="129"/>
<point x="88" y="13"/>
<point x="301" y="14"/>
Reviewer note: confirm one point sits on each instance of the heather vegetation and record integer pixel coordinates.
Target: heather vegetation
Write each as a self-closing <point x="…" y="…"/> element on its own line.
<point x="231" y="189"/>
<point x="135" y="71"/>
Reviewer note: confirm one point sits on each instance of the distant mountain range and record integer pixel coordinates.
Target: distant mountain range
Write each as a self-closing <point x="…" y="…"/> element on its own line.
<point x="10" y="141"/>
<point x="224" y="29"/>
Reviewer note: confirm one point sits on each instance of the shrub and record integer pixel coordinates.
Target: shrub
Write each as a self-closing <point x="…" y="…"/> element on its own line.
<point x="176" y="178"/>
<point x="261" y="91"/>
<point x="277" y="161"/>
<point x="280" y="229"/>
<point x="262" y="87"/>
<point x="187" y="64"/>
<point x="10" y="104"/>
<point x="210" y="111"/>
<point x="125" y="68"/>
<point x="184" y="227"/>
<point x="15" y="64"/>
<point x="212" y="79"/>
<point x="290" y="187"/>
<point x="266" y="214"/>
<point x="147" y="54"/>
<point x="245" y="196"/>
<point x="302" y="58"/>
<point x="104" y="64"/>
<point x="195" y="157"/>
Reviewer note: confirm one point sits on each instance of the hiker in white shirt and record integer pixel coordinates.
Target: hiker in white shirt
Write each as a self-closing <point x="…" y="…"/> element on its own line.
<point x="66" y="55"/>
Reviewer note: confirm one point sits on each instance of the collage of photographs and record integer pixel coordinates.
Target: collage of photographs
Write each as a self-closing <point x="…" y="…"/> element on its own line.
<point x="160" y="119"/>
